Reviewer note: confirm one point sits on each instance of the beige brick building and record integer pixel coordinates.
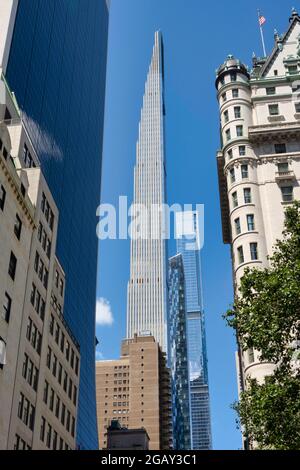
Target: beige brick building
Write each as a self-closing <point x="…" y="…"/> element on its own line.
<point x="39" y="357"/>
<point x="136" y="390"/>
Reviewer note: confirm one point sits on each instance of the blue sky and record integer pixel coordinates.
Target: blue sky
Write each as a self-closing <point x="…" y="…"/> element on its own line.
<point x="197" y="36"/>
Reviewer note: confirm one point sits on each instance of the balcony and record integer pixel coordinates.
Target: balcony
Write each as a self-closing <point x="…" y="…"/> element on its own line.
<point x="282" y="176"/>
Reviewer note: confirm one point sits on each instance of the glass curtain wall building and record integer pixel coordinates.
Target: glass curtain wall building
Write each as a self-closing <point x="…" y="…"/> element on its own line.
<point x="57" y="69"/>
<point x="178" y="355"/>
<point x="188" y="233"/>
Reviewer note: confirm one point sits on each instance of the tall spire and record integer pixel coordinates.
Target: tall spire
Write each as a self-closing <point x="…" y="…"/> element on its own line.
<point x="147" y="288"/>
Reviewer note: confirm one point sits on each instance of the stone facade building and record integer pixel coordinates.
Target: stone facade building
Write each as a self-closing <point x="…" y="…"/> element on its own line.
<point x="259" y="160"/>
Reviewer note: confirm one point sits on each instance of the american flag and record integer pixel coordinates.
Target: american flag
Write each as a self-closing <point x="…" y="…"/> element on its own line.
<point x="261" y="20"/>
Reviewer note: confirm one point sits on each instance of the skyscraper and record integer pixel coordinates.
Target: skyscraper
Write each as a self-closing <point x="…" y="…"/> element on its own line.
<point x="147" y="288"/>
<point x="57" y="69"/>
<point x="258" y="163"/>
<point x="178" y="355"/>
<point x="188" y="234"/>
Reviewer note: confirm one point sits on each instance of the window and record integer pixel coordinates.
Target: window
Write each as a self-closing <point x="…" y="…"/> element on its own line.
<point x="293" y="70"/>
<point x="273" y="109"/>
<point x="235" y="93"/>
<point x="51" y="403"/>
<point x="49" y="354"/>
<point x="233" y="77"/>
<point x="222" y="81"/>
<point x="250" y="355"/>
<point x="237" y="112"/>
<point x="18" y="227"/>
<point x="2" y="197"/>
<point x="57" y="408"/>
<point x="49" y="436"/>
<point x="247" y="196"/>
<point x="232" y="175"/>
<point x="297" y="107"/>
<point x="253" y="251"/>
<point x="43" y="426"/>
<point x="2" y="353"/>
<point x="237" y="224"/>
<point x="250" y="222"/>
<point x="239" y="131"/>
<point x="235" y="202"/>
<point x="6" y="307"/>
<point x="46" y="392"/>
<point x="226" y="116"/>
<point x="12" y="266"/>
<point x="228" y="135"/>
<point x="283" y="167"/>
<point x="242" y="150"/>
<point x="244" y="171"/>
<point x="230" y="154"/>
<point x="287" y="193"/>
<point x="75" y="395"/>
<point x="224" y="97"/>
<point x="280" y="148"/>
<point x="240" y="255"/>
<point x="61" y="287"/>
<point x="271" y="90"/>
<point x="63" y="414"/>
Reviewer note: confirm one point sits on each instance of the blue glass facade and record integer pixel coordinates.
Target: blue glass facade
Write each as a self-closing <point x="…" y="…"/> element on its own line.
<point x="196" y="340"/>
<point x="178" y="356"/>
<point x="57" y="69"/>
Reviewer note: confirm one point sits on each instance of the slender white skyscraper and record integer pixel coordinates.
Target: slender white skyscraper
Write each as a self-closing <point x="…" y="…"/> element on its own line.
<point x="147" y="287"/>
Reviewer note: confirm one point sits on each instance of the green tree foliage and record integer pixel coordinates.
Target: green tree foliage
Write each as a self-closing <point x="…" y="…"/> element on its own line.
<point x="266" y="316"/>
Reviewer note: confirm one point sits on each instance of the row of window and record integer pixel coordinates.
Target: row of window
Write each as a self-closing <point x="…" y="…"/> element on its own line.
<point x="44" y="240"/>
<point x="250" y="224"/>
<point x="50" y="437"/>
<point x="47" y="211"/>
<point x="253" y="253"/>
<point x="27" y="158"/>
<point x="34" y="336"/>
<point x="26" y="412"/>
<point x="30" y="372"/>
<point x="64" y="344"/>
<point x="41" y="270"/>
<point x="237" y="114"/>
<point x="20" y="444"/>
<point x="233" y="78"/>
<point x="234" y="94"/>
<point x="244" y="173"/>
<point x="287" y="193"/>
<point x="56" y="405"/>
<point x="274" y="109"/>
<point x="278" y="148"/>
<point x="62" y="376"/>
<point x="239" y="131"/>
<point x="37" y="302"/>
<point x="247" y="197"/>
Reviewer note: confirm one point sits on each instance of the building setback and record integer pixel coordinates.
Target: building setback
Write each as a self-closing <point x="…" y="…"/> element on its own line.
<point x="39" y="357"/>
<point x="147" y="287"/>
<point x="136" y="391"/>
<point x="56" y="66"/>
<point x="259" y="160"/>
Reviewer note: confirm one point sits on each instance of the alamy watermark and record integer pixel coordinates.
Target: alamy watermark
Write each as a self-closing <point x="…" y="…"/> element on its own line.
<point x="152" y="222"/>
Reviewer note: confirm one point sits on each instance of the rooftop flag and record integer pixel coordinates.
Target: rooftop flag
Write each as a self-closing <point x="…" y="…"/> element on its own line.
<point x="262" y="20"/>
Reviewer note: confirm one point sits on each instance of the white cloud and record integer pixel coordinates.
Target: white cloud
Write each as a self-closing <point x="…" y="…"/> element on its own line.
<point x="99" y="356"/>
<point x="104" y="315"/>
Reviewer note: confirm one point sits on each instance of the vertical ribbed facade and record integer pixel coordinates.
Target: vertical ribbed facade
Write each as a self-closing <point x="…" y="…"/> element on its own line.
<point x="147" y="288"/>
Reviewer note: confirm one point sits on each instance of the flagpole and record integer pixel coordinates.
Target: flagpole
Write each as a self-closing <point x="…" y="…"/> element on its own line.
<point x="262" y="35"/>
